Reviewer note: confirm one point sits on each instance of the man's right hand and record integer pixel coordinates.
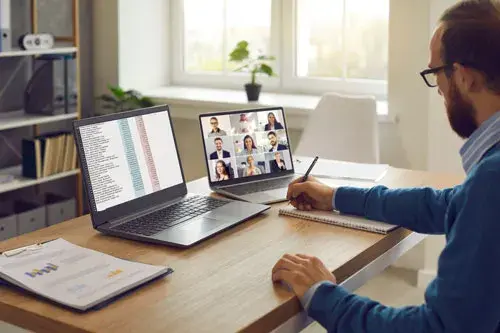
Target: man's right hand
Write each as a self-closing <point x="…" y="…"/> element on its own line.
<point x="311" y="194"/>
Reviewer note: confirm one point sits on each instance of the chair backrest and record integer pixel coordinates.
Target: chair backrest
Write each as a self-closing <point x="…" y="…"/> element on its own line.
<point x="342" y="128"/>
<point x="262" y="167"/>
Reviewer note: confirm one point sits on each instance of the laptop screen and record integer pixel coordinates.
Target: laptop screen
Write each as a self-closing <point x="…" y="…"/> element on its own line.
<point x="246" y="144"/>
<point x="129" y="158"/>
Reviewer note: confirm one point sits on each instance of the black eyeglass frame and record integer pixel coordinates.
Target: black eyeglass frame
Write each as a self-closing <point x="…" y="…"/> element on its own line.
<point x="447" y="68"/>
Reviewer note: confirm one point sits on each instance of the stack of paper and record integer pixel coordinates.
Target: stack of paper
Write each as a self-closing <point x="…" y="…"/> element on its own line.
<point x="341" y="170"/>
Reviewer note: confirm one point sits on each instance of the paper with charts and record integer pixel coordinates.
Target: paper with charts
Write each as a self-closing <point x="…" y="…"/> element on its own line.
<point x="74" y="276"/>
<point x="341" y="170"/>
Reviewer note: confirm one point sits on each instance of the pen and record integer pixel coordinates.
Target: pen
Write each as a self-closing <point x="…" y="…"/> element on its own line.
<point x="306" y="175"/>
<point x="310" y="169"/>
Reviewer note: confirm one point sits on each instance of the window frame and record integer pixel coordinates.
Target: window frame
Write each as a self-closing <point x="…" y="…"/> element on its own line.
<point x="283" y="46"/>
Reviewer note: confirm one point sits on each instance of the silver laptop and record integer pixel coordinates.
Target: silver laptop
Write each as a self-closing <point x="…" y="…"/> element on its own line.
<point x="247" y="154"/>
<point x="135" y="183"/>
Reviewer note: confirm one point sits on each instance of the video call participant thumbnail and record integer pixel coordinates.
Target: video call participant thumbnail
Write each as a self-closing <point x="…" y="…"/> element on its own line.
<point x="273" y="141"/>
<point x="219" y="153"/>
<point x="216" y="131"/>
<point x="222" y="171"/>
<point x="272" y="123"/>
<point x="245" y="124"/>
<point x="249" y="147"/>
<point x="278" y="164"/>
<point x="251" y="169"/>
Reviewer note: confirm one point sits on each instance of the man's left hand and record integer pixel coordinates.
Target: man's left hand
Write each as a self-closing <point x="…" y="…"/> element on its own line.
<point x="301" y="272"/>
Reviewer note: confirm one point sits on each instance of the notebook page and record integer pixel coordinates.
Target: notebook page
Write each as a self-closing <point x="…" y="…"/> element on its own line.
<point x="340" y="219"/>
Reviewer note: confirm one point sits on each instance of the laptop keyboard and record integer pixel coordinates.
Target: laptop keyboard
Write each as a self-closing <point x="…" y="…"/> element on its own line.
<point x="180" y="212"/>
<point x="272" y="184"/>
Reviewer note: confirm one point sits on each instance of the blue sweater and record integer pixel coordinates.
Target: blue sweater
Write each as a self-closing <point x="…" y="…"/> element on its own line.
<point x="465" y="296"/>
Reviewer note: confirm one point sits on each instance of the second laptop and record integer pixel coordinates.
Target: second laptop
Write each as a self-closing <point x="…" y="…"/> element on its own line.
<point x="248" y="155"/>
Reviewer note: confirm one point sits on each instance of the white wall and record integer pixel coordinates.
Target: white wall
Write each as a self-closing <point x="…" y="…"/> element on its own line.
<point x="407" y="94"/>
<point x="130" y="44"/>
<point x="143" y="41"/>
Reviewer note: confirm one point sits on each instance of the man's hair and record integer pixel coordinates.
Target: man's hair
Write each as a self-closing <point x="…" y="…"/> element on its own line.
<point x="271" y="133"/>
<point x="218" y="139"/>
<point x="471" y="37"/>
<point x="214" y="118"/>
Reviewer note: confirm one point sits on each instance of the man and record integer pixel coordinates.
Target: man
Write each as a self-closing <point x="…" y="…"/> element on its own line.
<point x="274" y="143"/>
<point x="465" y="296"/>
<point x="219" y="154"/>
<point x="277" y="165"/>
<point x="216" y="131"/>
<point x="245" y="125"/>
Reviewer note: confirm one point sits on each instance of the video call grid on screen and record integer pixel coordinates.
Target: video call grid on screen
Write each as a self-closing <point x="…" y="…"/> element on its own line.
<point x="235" y="141"/>
<point x="130" y="158"/>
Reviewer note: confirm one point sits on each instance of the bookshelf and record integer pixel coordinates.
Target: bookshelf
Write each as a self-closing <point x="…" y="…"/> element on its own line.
<point x="20" y="182"/>
<point x="25" y="53"/>
<point x="18" y="119"/>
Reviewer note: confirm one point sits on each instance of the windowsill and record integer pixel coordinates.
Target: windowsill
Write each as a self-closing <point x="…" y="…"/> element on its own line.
<point x="295" y="105"/>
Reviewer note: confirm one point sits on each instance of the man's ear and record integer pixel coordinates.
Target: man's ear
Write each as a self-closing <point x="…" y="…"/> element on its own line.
<point x="467" y="79"/>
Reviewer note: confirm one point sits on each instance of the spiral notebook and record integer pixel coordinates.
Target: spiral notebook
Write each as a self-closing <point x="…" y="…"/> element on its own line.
<point x="341" y="220"/>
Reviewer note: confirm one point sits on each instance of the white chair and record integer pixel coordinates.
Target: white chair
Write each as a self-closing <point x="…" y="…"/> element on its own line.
<point x="343" y="128"/>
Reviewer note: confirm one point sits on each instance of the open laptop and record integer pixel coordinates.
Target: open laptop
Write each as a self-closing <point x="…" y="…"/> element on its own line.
<point x="248" y="155"/>
<point x="135" y="183"/>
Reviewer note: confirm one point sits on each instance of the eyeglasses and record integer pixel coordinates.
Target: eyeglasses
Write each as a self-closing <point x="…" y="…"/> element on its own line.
<point x="213" y="123"/>
<point x="430" y="75"/>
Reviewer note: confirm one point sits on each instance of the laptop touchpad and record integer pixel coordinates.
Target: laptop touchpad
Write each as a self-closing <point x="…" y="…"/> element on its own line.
<point x="202" y="225"/>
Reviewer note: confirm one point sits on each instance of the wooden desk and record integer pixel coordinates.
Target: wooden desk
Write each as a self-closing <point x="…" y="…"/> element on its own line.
<point x="223" y="284"/>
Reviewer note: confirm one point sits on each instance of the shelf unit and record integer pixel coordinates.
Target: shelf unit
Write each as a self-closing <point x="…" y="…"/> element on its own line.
<point x="20" y="182"/>
<point x="17" y="119"/>
<point x="25" y="53"/>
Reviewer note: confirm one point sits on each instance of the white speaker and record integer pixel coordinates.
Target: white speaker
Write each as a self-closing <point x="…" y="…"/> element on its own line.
<point x="5" y="30"/>
<point x="36" y="41"/>
<point x="5" y="40"/>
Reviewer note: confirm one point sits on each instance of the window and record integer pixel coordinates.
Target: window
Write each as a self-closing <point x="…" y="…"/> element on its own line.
<point x="212" y="29"/>
<point x="321" y="45"/>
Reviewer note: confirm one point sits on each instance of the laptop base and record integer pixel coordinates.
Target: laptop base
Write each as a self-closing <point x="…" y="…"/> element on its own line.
<point x="193" y="231"/>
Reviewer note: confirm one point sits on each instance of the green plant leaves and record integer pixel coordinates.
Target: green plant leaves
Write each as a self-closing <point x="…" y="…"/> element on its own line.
<point x="240" y="52"/>
<point x="268" y="58"/>
<point x="255" y="65"/>
<point x="107" y="98"/>
<point x="124" y="100"/>
<point x="266" y="69"/>
<point x="117" y="91"/>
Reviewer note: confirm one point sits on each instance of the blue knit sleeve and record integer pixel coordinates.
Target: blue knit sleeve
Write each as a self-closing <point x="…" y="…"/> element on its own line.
<point x="419" y="209"/>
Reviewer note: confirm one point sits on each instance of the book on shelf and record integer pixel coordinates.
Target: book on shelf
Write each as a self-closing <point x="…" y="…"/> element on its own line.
<point x="48" y="154"/>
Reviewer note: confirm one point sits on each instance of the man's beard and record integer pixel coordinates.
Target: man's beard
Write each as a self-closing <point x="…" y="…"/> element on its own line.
<point x="460" y="113"/>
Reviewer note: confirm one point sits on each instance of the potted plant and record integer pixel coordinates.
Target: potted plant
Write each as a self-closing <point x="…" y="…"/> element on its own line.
<point x="121" y="100"/>
<point x="254" y="64"/>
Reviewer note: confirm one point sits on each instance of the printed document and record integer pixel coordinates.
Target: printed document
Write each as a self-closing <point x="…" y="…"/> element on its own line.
<point x="74" y="276"/>
<point x="341" y="170"/>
